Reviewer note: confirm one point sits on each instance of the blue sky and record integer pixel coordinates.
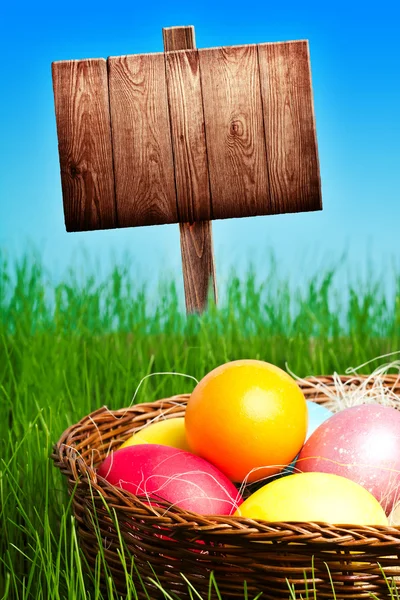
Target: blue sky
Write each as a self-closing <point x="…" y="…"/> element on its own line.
<point x="355" y="58"/>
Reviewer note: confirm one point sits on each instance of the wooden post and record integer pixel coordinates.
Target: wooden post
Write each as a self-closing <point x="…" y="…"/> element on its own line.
<point x="196" y="237"/>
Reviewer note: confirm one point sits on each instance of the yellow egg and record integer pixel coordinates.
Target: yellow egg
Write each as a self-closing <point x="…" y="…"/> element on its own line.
<point x="167" y="432"/>
<point x="314" y="497"/>
<point x="248" y="418"/>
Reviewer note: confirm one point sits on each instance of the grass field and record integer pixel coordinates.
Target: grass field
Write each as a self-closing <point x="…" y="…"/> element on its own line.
<point x="70" y="347"/>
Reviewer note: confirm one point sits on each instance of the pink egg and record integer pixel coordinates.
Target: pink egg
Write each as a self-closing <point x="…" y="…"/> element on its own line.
<point x="361" y="443"/>
<point x="174" y="476"/>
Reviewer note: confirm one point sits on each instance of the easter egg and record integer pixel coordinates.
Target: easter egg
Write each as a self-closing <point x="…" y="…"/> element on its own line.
<point x="361" y="443"/>
<point x="167" y="432"/>
<point x="248" y="418"/>
<point x="314" y="497"/>
<point x="168" y="474"/>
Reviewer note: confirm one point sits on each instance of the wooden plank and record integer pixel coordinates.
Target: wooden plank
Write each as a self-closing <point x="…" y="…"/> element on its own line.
<point x="188" y="136"/>
<point x="290" y="127"/>
<point x="196" y="239"/>
<point x="84" y="143"/>
<point x="234" y="131"/>
<point x="142" y="147"/>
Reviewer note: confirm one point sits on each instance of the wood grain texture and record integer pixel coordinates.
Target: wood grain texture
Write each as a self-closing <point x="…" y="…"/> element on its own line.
<point x="290" y="127"/>
<point x="198" y="265"/>
<point x="188" y="136"/>
<point x="234" y="131"/>
<point x="84" y="143"/>
<point x="196" y="239"/>
<point x="142" y="147"/>
<point x="179" y="38"/>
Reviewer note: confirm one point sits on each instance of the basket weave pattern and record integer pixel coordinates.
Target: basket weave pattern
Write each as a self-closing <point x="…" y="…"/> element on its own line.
<point x="174" y="541"/>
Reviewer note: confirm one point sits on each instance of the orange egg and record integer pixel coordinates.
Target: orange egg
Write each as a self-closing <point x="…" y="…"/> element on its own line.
<point x="245" y="415"/>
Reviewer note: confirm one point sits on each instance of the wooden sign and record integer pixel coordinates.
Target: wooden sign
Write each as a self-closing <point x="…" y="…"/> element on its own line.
<point x="187" y="136"/>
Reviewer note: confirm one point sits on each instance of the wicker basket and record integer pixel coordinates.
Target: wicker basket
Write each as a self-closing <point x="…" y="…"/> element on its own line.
<point x="358" y="560"/>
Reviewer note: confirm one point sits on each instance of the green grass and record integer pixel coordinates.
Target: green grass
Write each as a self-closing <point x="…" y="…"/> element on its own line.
<point x="70" y="347"/>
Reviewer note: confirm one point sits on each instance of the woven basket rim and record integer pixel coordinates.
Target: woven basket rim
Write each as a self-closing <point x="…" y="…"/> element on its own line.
<point x="74" y="467"/>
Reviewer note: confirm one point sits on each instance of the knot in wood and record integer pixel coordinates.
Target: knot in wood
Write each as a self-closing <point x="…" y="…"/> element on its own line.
<point x="236" y="127"/>
<point x="75" y="171"/>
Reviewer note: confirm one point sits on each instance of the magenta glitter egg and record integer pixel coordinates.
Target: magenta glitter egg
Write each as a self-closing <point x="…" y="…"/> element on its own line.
<point x="361" y="443"/>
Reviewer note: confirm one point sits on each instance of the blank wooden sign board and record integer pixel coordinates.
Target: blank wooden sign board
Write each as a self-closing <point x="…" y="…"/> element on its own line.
<point x="187" y="136"/>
